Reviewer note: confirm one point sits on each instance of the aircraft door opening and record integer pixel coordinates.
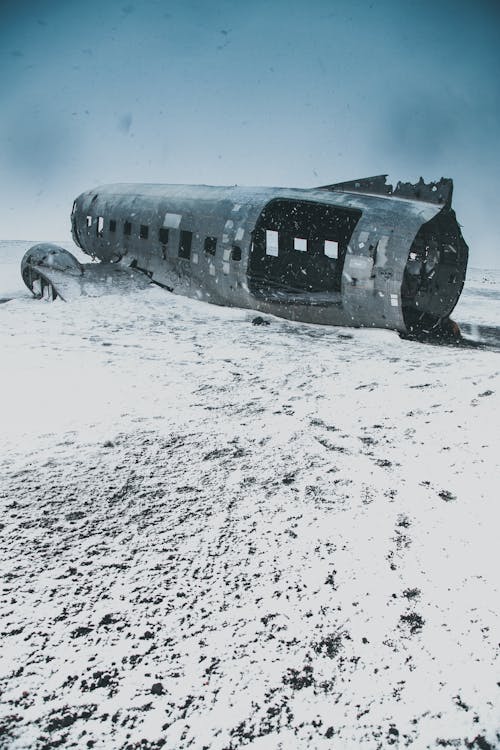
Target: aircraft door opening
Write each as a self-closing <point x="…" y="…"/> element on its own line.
<point x="299" y="248"/>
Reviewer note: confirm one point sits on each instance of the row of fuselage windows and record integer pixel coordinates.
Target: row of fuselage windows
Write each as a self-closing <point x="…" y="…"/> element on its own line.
<point x="185" y="238"/>
<point x="330" y="247"/>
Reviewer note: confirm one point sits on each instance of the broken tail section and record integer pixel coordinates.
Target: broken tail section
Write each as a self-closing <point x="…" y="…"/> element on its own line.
<point x="439" y="192"/>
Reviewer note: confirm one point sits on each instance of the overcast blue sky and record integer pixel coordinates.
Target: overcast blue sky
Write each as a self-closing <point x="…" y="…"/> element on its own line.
<point x="274" y="92"/>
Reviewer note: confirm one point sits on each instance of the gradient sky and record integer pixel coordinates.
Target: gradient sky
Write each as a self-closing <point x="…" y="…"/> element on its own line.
<point x="263" y="92"/>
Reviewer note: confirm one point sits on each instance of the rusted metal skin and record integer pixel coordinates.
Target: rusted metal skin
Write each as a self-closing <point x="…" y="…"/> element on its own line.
<point x="357" y="253"/>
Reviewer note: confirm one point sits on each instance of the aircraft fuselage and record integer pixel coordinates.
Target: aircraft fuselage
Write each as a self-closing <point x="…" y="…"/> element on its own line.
<point x="349" y="254"/>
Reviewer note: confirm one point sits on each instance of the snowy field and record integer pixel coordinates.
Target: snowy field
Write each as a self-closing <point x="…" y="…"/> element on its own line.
<point x="217" y="535"/>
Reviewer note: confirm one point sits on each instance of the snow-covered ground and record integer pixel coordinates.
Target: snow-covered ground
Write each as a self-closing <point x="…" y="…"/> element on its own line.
<point x="218" y="535"/>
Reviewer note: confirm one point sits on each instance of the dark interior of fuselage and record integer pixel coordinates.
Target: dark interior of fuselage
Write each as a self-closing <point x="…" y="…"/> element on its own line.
<point x="435" y="272"/>
<point x="298" y="249"/>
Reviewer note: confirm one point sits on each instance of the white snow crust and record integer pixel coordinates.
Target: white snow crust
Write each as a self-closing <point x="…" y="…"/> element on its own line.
<point x="217" y="535"/>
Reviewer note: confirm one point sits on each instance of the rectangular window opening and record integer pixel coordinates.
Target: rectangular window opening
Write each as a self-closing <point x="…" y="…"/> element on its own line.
<point x="210" y="245"/>
<point x="236" y="252"/>
<point x="163" y="235"/>
<point x="185" y="242"/>
<point x="127" y="228"/>
<point x="271" y="243"/>
<point x="144" y="232"/>
<point x="332" y="249"/>
<point x="100" y="226"/>
<point x="112" y="225"/>
<point x="300" y="244"/>
<point x="89" y="221"/>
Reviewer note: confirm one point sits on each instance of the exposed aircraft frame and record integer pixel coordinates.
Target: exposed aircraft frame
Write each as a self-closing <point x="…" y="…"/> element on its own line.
<point x="354" y="253"/>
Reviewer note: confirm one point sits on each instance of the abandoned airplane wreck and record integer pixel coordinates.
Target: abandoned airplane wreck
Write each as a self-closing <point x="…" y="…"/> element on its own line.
<point x="356" y="253"/>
